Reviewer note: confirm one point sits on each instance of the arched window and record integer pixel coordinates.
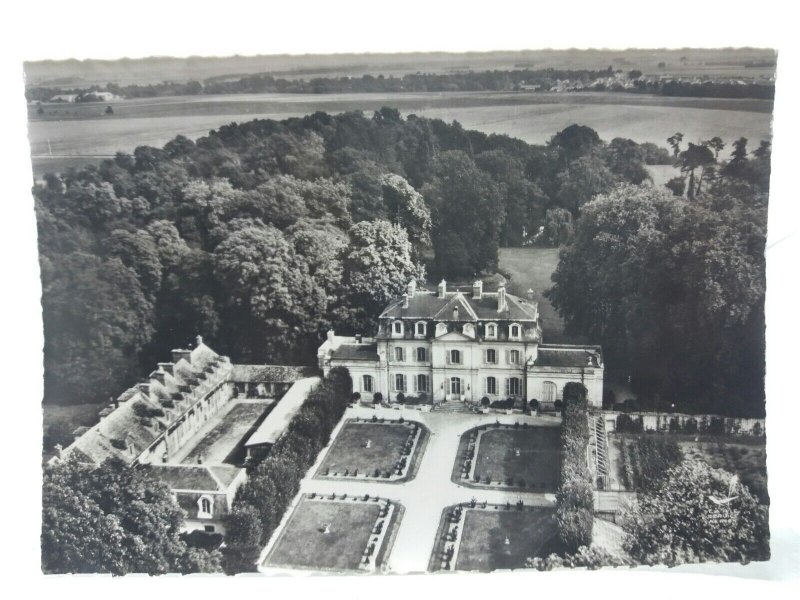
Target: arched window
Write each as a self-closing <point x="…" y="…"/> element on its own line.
<point x="491" y="385"/>
<point x="422" y="383"/>
<point x="513" y="386"/>
<point x="398" y="328"/>
<point x="455" y="357"/>
<point x="548" y="391"/>
<point x="421" y="329"/>
<point x="205" y="506"/>
<point x="491" y="330"/>
<point x="367" y="383"/>
<point x="514" y="331"/>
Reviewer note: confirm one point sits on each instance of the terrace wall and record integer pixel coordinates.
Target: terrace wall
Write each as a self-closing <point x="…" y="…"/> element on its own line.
<point x="666" y="422"/>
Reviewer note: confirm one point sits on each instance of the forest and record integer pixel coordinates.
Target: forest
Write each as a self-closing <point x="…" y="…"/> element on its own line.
<point x="262" y="235"/>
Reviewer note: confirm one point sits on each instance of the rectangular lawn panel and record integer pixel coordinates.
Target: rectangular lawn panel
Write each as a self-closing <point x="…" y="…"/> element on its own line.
<point x="349" y="449"/>
<point x="226" y="435"/>
<point x="529" y="532"/>
<point x="538" y="463"/>
<point x="303" y="544"/>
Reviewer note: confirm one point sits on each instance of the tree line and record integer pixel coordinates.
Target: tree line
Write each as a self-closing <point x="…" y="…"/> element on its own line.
<point x="263" y="235"/>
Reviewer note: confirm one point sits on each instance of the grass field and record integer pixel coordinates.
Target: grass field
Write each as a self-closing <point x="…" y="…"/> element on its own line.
<point x="67" y="131"/>
<point x="529" y="533"/>
<point x="222" y="441"/>
<point x="538" y="463"/>
<point x="302" y="543"/>
<point x="349" y="452"/>
<point x="530" y="268"/>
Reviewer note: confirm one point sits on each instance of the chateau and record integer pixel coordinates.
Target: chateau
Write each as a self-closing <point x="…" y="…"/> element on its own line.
<point x="455" y="346"/>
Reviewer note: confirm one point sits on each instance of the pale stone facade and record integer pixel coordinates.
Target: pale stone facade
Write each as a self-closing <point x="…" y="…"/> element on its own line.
<point x="462" y="346"/>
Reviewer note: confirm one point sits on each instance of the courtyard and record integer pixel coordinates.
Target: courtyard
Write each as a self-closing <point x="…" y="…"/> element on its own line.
<point x="515" y="456"/>
<point x="221" y="439"/>
<point x="335" y="534"/>
<point x="386" y="448"/>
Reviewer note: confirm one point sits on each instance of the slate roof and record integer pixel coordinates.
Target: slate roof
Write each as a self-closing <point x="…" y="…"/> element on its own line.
<point x="568" y="356"/>
<point x="427" y="305"/>
<point x="270" y="373"/>
<point x="366" y="352"/>
<point x="278" y="419"/>
<point x="195" y="477"/>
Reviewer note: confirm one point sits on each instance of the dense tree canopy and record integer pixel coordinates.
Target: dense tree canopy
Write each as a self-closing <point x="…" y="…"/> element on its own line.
<point x="113" y="519"/>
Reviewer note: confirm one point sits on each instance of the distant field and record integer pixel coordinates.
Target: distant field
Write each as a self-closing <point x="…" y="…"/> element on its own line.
<point x="531" y="268"/>
<point x="69" y="133"/>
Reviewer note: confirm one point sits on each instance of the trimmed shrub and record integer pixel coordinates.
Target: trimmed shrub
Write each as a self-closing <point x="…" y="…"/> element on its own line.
<point x="401" y="397"/>
<point x="377" y="397"/>
<point x="574" y="527"/>
<point x="485" y="401"/>
<point x="355" y="397"/>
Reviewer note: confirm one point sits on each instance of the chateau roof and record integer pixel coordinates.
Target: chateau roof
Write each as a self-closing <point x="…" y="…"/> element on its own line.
<point x="269" y="373"/>
<point x="555" y="355"/>
<point x="427" y="305"/>
<point x="367" y="352"/>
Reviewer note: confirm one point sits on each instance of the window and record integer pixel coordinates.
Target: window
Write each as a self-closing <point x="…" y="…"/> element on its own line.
<point x="455" y="357"/>
<point x="421" y="329"/>
<point x="422" y="383"/>
<point x="398" y="327"/>
<point x="422" y="355"/>
<point x="209" y="529"/>
<point x="399" y="354"/>
<point x="205" y="506"/>
<point x="399" y="383"/>
<point x="491" y="385"/>
<point x="455" y="385"/>
<point x="491" y="356"/>
<point x="514" y="331"/>
<point x="367" y="383"/>
<point x="491" y="330"/>
<point x="548" y="391"/>
<point x="513" y="357"/>
<point x="513" y="386"/>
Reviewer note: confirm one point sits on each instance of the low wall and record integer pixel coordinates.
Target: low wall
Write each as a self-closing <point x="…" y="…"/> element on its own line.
<point x="683" y="423"/>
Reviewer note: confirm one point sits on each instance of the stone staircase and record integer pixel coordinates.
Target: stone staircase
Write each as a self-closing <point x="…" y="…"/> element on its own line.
<point x="453" y="407"/>
<point x="601" y="447"/>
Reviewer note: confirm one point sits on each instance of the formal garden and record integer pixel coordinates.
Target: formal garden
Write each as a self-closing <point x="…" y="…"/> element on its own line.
<point x="518" y="456"/>
<point x="388" y="449"/>
<point x="351" y="533"/>
<point x="477" y="536"/>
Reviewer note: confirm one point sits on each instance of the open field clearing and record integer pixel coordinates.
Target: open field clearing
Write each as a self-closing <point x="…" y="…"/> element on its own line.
<point x="67" y="133"/>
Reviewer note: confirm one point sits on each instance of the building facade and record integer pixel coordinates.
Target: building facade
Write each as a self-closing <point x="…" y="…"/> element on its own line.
<point x="456" y="346"/>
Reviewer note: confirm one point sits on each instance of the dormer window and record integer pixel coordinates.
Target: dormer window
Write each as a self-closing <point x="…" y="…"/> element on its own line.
<point x="397" y="328"/>
<point x="514" y="332"/>
<point x="491" y="331"/>
<point x="421" y="329"/>
<point x="205" y="507"/>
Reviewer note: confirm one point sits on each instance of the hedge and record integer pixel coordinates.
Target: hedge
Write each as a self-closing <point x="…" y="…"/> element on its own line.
<point x="575" y="496"/>
<point x="272" y="483"/>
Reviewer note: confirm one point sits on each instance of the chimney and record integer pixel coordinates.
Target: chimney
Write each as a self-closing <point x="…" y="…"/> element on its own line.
<point x="412" y="288"/>
<point x="477" y="290"/>
<point x="442" y="288"/>
<point x="159" y="376"/>
<point x="182" y="354"/>
<point x="199" y="339"/>
<point x="115" y="402"/>
<point x="59" y="449"/>
<point x="330" y="335"/>
<point x="167" y="368"/>
<point x="405" y="300"/>
<point x="501" y="299"/>
<point x="529" y="293"/>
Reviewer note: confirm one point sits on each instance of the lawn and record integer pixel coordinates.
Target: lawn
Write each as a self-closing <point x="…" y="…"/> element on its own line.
<point x="530" y="268"/>
<point x="222" y="441"/>
<point x="538" y="463"/>
<point x="530" y="532"/>
<point x="349" y="451"/>
<point x="303" y="544"/>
